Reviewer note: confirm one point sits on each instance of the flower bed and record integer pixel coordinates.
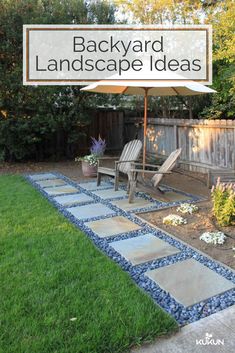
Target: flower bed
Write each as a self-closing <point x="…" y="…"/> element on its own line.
<point x="197" y="224"/>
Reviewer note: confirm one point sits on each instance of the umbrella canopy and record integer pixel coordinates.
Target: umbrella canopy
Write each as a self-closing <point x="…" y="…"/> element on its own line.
<point x="167" y="84"/>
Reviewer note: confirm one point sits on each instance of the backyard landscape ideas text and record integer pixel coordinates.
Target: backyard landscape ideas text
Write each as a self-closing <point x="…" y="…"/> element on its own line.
<point x="63" y="53"/>
<point x="120" y="66"/>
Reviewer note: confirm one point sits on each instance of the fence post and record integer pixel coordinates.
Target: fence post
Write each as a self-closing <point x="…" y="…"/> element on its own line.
<point x="176" y="136"/>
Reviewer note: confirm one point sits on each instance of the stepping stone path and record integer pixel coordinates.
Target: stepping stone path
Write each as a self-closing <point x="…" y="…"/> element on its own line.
<point x="187" y="284"/>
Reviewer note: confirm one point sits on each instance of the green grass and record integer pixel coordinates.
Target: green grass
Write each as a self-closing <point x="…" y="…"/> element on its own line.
<point x="51" y="272"/>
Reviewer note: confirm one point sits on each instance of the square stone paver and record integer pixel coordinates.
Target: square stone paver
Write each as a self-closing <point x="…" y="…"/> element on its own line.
<point x="59" y="190"/>
<point x="92" y="185"/>
<point x="51" y="183"/>
<point x="112" y="226"/>
<point x="110" y="193"/>
<point x="190" y="282"/>
<point x="138" y="203"/>
<point x="90" y="211"/>
<point x="44" y="176"/>
<point x="69" y="200"/>
<point x="143" y="248"/>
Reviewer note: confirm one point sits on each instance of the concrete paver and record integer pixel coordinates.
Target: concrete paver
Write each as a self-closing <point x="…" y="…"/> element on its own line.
<point x="189" y="282"/>
<point x="51" y="182"/>
<point x="112" y="226"/>
<point x="90" y="211"/>
<point x="110" y="193"/>
<point x="60" y="190"/>
<point x="43" y="176"/>
<point x="92" y="185"/>
<point x="143" y="248"/>
<point x="69" y="200"/>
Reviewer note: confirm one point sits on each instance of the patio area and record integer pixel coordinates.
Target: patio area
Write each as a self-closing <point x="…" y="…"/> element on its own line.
<point x="189" y="182"/>
<point x="155" y="260"/>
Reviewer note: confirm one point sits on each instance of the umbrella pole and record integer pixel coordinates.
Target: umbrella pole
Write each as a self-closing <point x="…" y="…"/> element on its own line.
<point x="145" y="125"/>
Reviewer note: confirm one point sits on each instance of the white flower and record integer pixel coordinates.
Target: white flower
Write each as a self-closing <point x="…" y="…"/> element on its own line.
<point x="73" y="319"/>
<point x="187" y="208"/>
<point x="174" y="220"/>
<point x="92" y="159"/>
<point x="213" y="237"/>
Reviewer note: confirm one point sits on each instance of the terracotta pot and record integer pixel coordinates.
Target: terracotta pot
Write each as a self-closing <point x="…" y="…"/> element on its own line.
<point x="89" y="170"/>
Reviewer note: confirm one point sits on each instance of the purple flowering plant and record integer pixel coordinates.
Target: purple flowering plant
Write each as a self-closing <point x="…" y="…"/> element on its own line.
<point x="97" y="150"/>
<point x="98" y="146"/>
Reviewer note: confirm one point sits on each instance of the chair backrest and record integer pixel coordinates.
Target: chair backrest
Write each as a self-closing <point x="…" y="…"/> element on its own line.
<point x="130" y="152"/>
<point x="167" y="166"/>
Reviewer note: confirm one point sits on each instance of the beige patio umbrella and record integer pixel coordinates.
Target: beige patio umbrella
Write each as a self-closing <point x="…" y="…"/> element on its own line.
<point x="144" y="84"/>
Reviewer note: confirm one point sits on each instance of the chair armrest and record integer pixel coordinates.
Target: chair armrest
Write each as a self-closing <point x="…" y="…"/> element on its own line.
<point x="148" y="165"/>
<point x="119" y="162"/>
<point x="149" y="171"/>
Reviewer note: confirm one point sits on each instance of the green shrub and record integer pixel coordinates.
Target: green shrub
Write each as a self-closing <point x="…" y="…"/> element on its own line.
<point x="223" y="197"/>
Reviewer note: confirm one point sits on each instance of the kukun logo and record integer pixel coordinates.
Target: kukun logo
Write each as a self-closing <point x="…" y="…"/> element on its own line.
<point x="209" y="341"/>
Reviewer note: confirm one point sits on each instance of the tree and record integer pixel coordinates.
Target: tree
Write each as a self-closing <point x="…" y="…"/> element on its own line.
<point x="162" y="11"/>
<point x="219" y="13"/>
<point x="223" y="20"/>
<point x="32" y="117"/>
<point x="167" y="12"/>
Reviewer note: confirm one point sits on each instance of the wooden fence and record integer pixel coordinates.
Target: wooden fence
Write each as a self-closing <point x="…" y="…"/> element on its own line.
<point x="206" y="144"/>
<point x="109" y="125"/>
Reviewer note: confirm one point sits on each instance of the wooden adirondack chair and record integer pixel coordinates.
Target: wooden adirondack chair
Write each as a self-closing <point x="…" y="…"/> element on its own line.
<point x="130" y="154"/>
<point x="137" y="173"/>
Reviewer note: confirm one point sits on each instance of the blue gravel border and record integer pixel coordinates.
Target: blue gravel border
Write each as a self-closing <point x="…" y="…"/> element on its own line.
<point x="169" y="304"/>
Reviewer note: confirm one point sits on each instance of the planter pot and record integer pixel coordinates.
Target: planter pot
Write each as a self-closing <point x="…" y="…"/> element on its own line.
<point x="89" y="170"/>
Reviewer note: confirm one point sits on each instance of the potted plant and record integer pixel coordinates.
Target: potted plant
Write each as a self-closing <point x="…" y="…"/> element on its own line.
<point x="89" y="165"/>
<point x="90" y="161"/>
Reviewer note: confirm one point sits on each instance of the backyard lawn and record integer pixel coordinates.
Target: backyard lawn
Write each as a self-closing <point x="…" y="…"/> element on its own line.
<point x="51" y="273"/>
